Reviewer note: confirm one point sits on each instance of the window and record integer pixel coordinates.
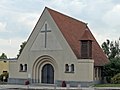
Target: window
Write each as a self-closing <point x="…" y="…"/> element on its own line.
<point x="95" y="72"/>
<point x="99" y="72"/>
<point x="5" y="61"/>
<point x="21" y="67"/>
<point x="25" y="67"/>
<point x="69" y="68"/>
<point x="72" y="67"/>
<point x="66" y="68"/>
<point x="4" y="71"/>
<point x="86" y="49"/>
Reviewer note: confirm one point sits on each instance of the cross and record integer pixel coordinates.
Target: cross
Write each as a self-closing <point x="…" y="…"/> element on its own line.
<point x="46" y="34"/>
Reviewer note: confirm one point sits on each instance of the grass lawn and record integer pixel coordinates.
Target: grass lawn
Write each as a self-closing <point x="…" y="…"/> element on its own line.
<point x="107" y="85"/>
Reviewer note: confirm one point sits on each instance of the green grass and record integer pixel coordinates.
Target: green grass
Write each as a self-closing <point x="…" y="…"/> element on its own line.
<point x="107" y="85"/>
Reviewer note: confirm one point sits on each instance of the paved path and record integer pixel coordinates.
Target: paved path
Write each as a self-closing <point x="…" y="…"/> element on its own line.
<point x="107" y="88"/>
<point x="9" y="87"/>
<point x="33" y="87"/>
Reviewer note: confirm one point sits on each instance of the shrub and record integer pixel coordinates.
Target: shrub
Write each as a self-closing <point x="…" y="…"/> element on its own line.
<point x="108" y="79"/>
<point x="4" y="77"/>
<point x="116" y="79"/>
<point x="1" y="77"/>
<point x="63" y="84"/>
<point x="27" y="82"/>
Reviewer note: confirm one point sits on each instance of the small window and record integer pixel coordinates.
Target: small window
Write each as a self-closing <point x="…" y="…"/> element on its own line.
<point x="72" y="67"/>
<point x="5" y="61"/>
<point x="21" y="67"/>
<point x="66" y="68"/>
<point x="25" y="67"/>
<point x="4" y="71"/>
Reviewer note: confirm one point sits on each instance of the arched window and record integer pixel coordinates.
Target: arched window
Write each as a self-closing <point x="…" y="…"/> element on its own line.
<point x="66" y="68"/>
<point x="21" y="67"/>
<point x="25" y="67"/>
<point x="72" y="67"/>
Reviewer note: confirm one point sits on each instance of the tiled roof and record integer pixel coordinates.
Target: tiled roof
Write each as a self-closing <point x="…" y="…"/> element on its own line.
<point x="74" y="30"/>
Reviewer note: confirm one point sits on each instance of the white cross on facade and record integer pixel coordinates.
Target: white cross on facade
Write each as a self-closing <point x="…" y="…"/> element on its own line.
<point x="46" y="34"/>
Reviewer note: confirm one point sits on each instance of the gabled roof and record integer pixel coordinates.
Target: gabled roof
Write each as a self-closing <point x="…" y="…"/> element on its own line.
<point x="86" y="35"/>
<point x="74" y="30"/>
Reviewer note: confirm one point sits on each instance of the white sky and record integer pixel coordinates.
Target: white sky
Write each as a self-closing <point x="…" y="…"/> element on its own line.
<point x="18" y="18"/>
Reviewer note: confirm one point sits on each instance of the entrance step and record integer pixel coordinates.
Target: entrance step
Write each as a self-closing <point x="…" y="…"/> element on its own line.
<point x="41" y="84"/>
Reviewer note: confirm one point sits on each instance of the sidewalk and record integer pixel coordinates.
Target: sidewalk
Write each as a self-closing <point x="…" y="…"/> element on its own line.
<point x="33" y="87"/>
<point x="107" y="88"/>
<point x="40" y="87"/>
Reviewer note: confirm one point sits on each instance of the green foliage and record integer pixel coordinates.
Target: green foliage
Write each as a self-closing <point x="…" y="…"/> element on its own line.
<point x="106" y="47"/>
<point x="4" y="76"/>
<point x="111" y="69"/>
<point x="116" y="79"/>
<point x="21" y="48"/>
<point x="107" y="85"/>
<point x="3" y="56"/>
<point x="111" y="48"/>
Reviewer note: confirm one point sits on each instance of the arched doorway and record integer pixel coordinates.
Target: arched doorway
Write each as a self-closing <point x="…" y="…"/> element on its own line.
<point x="47" y="74"/>
<point x="40" y="64"/>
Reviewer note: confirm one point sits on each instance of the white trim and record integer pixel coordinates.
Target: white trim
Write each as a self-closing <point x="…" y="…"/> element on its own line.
<point x="85" y="61"/>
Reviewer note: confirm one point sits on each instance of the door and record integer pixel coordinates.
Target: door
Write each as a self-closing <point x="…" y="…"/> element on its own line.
<point x="47" y="74"/>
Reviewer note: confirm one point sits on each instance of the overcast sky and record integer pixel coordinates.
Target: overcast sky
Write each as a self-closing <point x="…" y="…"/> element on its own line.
<point x="18" y="18"/>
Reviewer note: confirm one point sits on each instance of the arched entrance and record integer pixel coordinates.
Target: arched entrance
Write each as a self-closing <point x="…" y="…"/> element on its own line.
<point x="44" y="70"/>
<point x="47" y="74"/>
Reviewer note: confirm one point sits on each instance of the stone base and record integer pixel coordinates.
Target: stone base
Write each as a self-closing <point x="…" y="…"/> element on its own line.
<point x="75" y="83"/>
<point x="18" y="81"/>
<point x="57" y="82"/>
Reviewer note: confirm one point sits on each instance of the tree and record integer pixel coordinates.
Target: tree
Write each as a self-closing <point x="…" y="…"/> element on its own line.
<point x="111" y="49"/>
<point x="3" y="56"/>
<point x="21" y="48"/>
<point x="112" y="68"/>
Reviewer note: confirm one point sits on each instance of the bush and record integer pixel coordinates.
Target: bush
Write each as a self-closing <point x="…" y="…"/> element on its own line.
<point x="116" y="79"/>
<point x="63" y="84"/>
<point x="27" y="82"/>
<point x="1" y="77"/>
<point x="4" y="77"/>
<point x="108" y="79"/>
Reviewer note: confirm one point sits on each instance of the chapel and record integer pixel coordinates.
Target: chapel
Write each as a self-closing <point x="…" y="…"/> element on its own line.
<point x="60" y="48"/>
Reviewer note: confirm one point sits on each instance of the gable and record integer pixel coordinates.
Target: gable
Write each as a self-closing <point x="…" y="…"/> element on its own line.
<point x="46" y="40"/>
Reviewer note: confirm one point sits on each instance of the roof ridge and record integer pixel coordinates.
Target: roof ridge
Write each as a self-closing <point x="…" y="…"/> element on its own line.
<point x="65" y="15"/>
